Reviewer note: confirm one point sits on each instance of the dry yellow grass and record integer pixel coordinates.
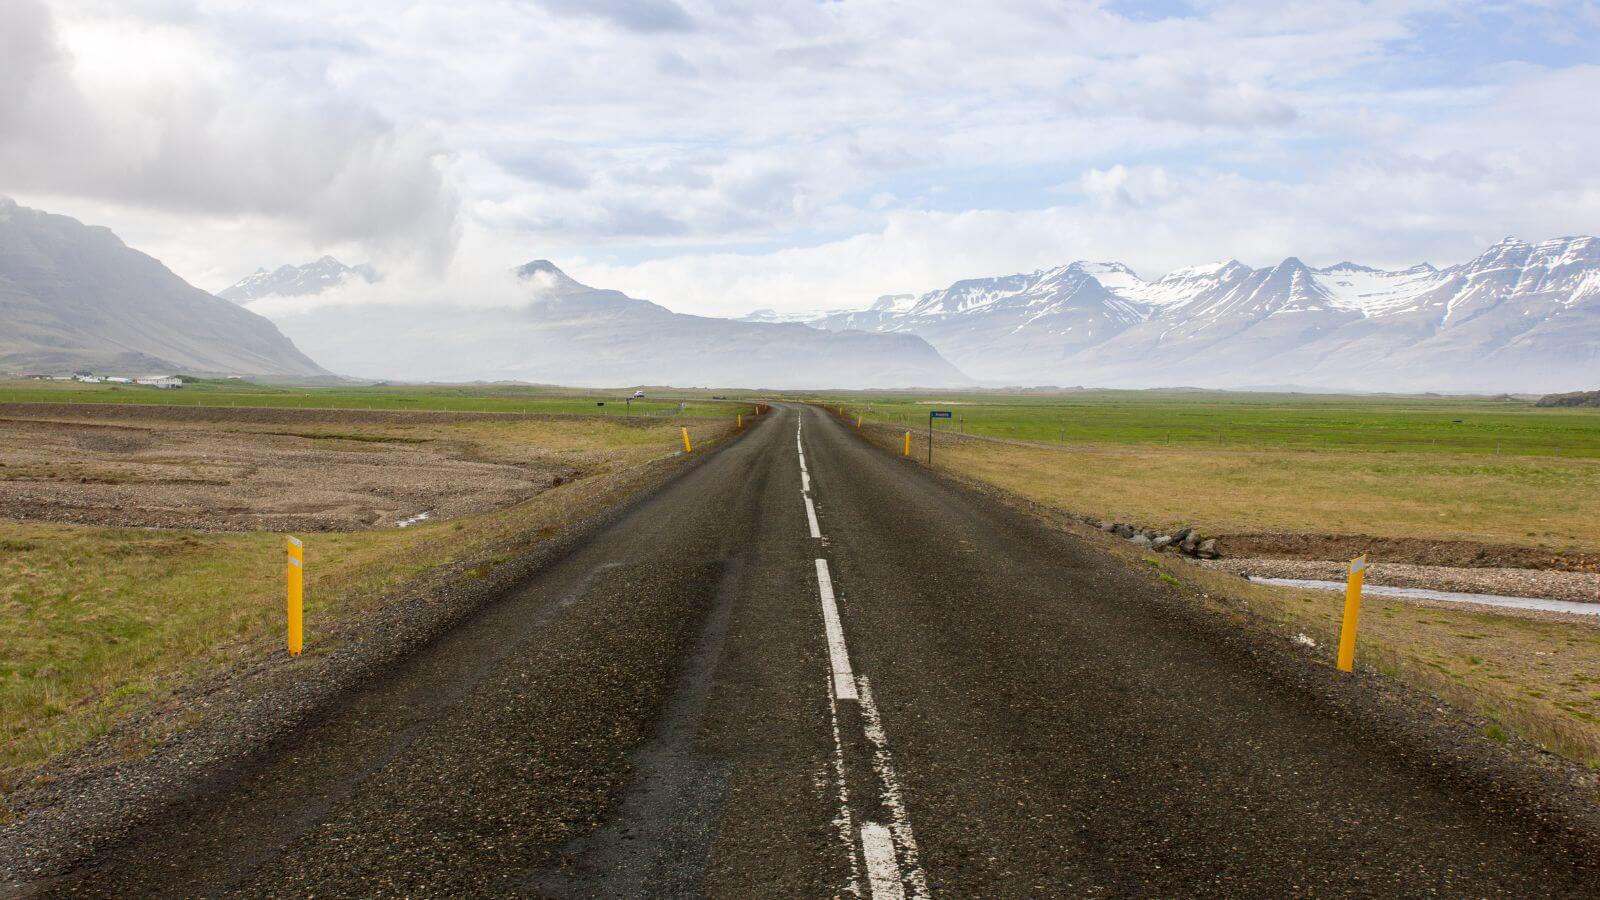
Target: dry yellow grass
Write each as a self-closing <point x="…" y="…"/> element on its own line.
<point x="1532" y="501"/>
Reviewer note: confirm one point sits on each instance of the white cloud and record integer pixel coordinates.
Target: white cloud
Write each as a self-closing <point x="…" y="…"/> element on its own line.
<point x="152" y="116"/>
<point x="792" y="154"/>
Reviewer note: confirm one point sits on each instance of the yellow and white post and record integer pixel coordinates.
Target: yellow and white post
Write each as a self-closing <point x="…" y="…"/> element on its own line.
<point x="686" y="447"/>
<point x="296" y="568"/>
<point x="1352" y="613"/>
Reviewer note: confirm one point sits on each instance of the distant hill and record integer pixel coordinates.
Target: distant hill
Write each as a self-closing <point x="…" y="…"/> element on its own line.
<point x="1519" y="317"/>
<point x="1576" y="398"/>
<point x="569" y="333"/>
<point x="74" y="296"/>
<point x="296" y="281"/>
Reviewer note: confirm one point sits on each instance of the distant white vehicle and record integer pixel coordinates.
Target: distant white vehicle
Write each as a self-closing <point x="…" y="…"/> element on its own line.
<point x="638" y="395"/>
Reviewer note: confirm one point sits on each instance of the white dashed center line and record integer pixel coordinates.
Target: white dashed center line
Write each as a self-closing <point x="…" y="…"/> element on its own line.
<point x="883" y="847"/>
<point x="844" y="683"/>
<point x="883" y="873"/>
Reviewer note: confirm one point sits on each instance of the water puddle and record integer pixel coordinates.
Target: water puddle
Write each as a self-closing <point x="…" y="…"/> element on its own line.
<point x="423" y="516"/>
<point x="1562" y="606"/>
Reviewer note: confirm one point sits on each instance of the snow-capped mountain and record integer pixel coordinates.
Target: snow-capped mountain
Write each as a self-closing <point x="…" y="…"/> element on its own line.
<point x="1518" y="317"/>
<point x="296" y="281"/>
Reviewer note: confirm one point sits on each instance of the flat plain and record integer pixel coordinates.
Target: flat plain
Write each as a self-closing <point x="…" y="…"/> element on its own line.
<point x="1481" y="470"/>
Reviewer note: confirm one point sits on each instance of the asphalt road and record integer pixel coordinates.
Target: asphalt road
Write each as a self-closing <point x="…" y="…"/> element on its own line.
<point x="905" y="689"/>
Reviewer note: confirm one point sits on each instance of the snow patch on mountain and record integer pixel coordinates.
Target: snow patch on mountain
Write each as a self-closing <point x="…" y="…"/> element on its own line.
<point x="296" y="281"/>
<point x="1517" y="317"/>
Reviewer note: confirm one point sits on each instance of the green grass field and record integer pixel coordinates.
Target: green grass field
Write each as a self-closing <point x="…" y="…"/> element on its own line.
<point x="1194" y="419"/>
<point x="454" y="398"/>
<point x="1459" y="468"/>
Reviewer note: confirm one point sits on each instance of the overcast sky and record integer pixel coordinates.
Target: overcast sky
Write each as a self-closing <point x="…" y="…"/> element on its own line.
<point x="722" y="155"/>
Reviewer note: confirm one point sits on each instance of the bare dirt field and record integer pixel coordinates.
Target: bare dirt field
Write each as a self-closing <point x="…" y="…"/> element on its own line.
<point x="261" y="469"/>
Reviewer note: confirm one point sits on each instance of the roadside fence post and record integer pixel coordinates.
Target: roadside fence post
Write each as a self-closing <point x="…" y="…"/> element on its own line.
<point x="1352" y="613"/>
<point x="686" y="446"/>
<point x="296" y="565"/>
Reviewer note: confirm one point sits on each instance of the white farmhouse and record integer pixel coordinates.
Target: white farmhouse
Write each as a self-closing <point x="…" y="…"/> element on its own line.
<point x="162" y="381"/>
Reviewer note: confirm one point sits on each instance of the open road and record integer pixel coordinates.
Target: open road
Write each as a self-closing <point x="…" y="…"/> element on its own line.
<point x="810" y="668"/>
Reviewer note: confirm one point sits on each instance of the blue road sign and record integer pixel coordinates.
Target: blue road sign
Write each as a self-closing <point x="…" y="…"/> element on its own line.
<point x="939" y="414"/>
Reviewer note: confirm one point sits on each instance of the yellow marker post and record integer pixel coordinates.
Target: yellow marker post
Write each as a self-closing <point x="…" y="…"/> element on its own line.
<point x="296" y="568"/>
<point x="686" y="447"/>
<point x="1352" y="613"/>
<point x="908" y="443"/>
<point x="741" y="420"/>
<point x="858" y="423"/>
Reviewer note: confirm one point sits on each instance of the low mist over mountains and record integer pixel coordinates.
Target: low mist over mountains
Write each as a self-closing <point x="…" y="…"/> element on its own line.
<point x="74" y="296"/>
<point x="565" y="332"/>
<point x="296" y="281"/>
<point x="1518" y="317"/>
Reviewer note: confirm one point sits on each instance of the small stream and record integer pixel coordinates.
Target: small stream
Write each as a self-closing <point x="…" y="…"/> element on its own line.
<point x="1562" y="606"/>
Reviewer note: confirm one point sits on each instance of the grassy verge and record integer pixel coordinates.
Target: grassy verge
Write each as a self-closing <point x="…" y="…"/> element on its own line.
<point x="1536" y="679"/>
<point x="1534" y="501"/>
<point x="97" y="622"/>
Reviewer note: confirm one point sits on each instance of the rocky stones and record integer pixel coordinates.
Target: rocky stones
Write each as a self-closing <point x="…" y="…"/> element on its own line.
<point x="1186" y="540"/>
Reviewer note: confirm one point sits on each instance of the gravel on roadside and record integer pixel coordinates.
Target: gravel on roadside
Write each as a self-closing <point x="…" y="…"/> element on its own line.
<point x="1581" y="587"/>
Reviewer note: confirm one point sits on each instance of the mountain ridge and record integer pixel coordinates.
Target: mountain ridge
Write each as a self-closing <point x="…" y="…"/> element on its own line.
<point x="1519" y="316"/>
<point x="75" y="296"/>
<point x="296" y="281"/>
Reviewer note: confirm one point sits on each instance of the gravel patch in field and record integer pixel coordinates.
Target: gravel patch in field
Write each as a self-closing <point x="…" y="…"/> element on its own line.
<point x="1576" y="586"/>
<point x="167" y="474"/>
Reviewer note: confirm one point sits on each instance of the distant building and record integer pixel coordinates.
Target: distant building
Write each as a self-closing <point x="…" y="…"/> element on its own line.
<point x="162" y="381"/>
<point x="118" y="379"/>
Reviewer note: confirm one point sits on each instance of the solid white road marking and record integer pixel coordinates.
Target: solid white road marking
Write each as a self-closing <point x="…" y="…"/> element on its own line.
<point x="844" y="684"/>
<point x="883" y="873"/>
<point x="811" y="518"/>
<point x="893" y="792"/>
